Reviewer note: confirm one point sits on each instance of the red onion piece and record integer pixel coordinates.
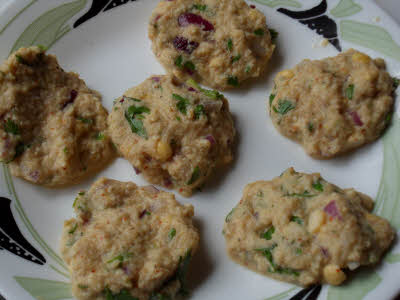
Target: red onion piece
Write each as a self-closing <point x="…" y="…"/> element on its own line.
<point x="324" y="251"/>
<point x="356" y="118"/>
<point x="34" y="175"/>
<point x="252" y="6"/>
<point x="72" y="96"/>
<point x="183" y="44"/>
<point x="151" y="189"/>
<point x="187" y="19"/>
<point x="137" y="171"/>
<point x="332" y="210"/>
<point x="211" y="139"/>
<point x="143" y="213"/>
<point x="156" y="79"/>
<point x="167" y="182"/>
<point x="190" y="89"/>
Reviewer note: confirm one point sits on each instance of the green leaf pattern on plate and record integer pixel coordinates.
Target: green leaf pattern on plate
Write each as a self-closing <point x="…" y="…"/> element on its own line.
<point x="345" y="8"/>
<point x="370" y="36"/>
<point x="356" y="288"/>
<point x="275" y="3"/>
<point x="42" y="289"/>
<point x="50" y="26"/>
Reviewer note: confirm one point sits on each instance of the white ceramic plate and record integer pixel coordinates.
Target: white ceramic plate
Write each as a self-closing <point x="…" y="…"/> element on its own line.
<point x="110" y="50"/>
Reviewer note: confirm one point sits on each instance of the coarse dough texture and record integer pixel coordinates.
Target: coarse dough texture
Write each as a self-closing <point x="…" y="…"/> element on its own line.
<point x="173" y="134"/>
<point x="219" y="43"/>
<point x="302" y="229"/>
<point x="128" y="240"/>
<point x="333" y="105"/>
<point x="53" y="130"/>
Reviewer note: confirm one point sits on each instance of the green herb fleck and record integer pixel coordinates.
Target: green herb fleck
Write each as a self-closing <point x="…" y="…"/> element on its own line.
<point x="310" y="126"/>
<point x="11" y="127"/>
<point x="287" y="271"/>
<point x="305" y="194"/>
<point x="271" y="98"/>
<point x="195" y="175"/>
<point x="121" y="258"/>
<point x="82" y="286"/>
<point x="131" y="99"/>
<point x="198" y="111"/>
<point x="200" y="7"/>
<point x="229" y="216"/>
<point x="268" y="234"/>
<point x="65" y="150"/>
<point x="134" y="116"/>
<point x="229" y="44"/>
<point x="42" y="48"/>
<point x="318" y="186"/>
<point x="122" y="295"/>
<point x="209" y="93"/>
<point x="178" y="118"/>
<point x="299" y="251"/>
<point x="182" y="270"/>
<point x="73" y="229"/>
<point x="388" y="118"/>
<point x="179" y="61"/>
<point x="267" y="252"/>
<point x="235" y="58"/>
<point x="233" y="80"/>
<point x="81" y="193"/>
<point x="296" y="219"/>
<point x="172" y="233"/>
<point x="274" y="35"/>
<point x="284" y="106"/>
<point x="99" y="136"/>
<point x="248" y="69"/>
<point x="259" y="32"/>
<point x="182" y="103"/>
<point x="22" y="60"/>
<point x="350" y="92"/>
<point x="85" y="121"/>
<point x="189" y="66"/>
<point x="396" y="82"/>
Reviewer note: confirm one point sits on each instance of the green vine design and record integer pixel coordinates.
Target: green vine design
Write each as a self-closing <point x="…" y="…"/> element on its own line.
<point x="17" y="15"/>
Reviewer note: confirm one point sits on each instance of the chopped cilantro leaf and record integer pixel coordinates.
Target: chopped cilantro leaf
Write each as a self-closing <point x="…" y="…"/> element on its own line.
<point x="136" y="125"/>
<point x="85" y="121"/>
<point x="198" y="111"/>
<point x="122" y="295"/>
<point x="296" y="219"/>
<point x="229" y="216"/>
<point x="195" y="175"/>
<point x="200" y="7"/>
<point x="271" y="98"/>
<point x="42" y="48"/>
<point x="182" y="103"/>
<point x="81" y="193"/>
<point x="11" y="127"/>
<point x="131" y="99"/>
<point x="248" y="69"/>
<point x="189" y="66"/>
<point x="73" y="229"/>
<point x="259" y="32"/>
<point x="396" y="82"/>
<point x="305" y="194"/>
<point x="274" y="35"/>
<point x="268" y="234"/>
<point x="137" y="110"/>
<point x="350" y="92"/>
<point x="298" y="251"/>
<point x="121" y="258"/>
<point x="388" y="118"/>
<point x="310" y="126"/>
<point x="235" y="58"/>
<point x="178" y="118"/>
<point x="229" y="44"/>
<point x="179" y="61"/>
<point x="82" y="286"/>
<point x="268" y="255"/>
<point x="172" y="233"/>
<point x="65" y="150"/>
<point x="318" y="186"/>
<point x="99" y="136"/>
<point x="233" y="80"/>
<point x="183" y="268"/>
<point x="284" y="106"/>
<point x="209" y="93"/>
<point x="22" y="60"/>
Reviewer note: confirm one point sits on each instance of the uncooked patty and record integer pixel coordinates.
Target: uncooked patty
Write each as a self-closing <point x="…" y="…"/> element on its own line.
<point x="333" y="105"/>
<point x="53" y="130"/>
<point x="219" y="43"/>
<point x="128" y="240"/>
<point x="302" y="229"/>
<point x="175" y="134"/>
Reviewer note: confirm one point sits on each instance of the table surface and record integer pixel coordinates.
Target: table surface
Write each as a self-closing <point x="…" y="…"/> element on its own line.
<point x="392" y="8"/>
